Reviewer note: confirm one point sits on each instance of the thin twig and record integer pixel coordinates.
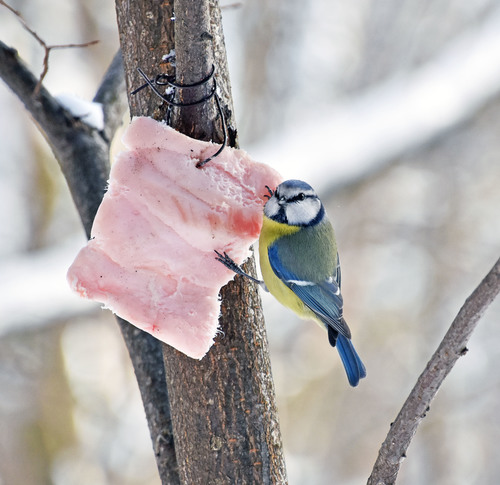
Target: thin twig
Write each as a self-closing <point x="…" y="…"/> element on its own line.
<point x="452" y="347"/>
<point x="47" y="48"/>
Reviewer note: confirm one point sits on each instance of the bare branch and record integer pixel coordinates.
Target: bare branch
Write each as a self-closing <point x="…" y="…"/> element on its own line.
<point x="47" y="49"/>
<point x="23" y="22"/>
<point x="453" y="346"/>
<point x="146" y="354"/>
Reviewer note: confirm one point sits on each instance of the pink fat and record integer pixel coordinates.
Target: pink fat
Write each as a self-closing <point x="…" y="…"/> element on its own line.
<point x="151" y="256"/>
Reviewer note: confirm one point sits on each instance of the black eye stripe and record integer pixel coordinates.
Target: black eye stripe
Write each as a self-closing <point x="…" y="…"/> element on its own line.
<point x="296" y="197"/>
<point x="299" y="197"/>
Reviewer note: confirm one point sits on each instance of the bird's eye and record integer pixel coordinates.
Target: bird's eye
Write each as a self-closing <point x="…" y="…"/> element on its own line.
<point x="301" y="196"/>
<point x="282" y="198"/>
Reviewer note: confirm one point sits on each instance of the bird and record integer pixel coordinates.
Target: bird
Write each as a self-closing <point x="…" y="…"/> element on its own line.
<point x="300" y="265"/>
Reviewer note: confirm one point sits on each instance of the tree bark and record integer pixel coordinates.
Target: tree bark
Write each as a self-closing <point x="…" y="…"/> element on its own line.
<point x="146" y="355"/>
<point x="223" y="408"/>
<point x="194" y="62"/>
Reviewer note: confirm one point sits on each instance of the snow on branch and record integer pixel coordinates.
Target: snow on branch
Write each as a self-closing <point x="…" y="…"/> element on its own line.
<point x="88" y="111"/>
<point x="69" y="137"/>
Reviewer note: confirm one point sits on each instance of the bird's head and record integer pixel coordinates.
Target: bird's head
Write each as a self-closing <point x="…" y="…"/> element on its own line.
<point x="294" y="203"/>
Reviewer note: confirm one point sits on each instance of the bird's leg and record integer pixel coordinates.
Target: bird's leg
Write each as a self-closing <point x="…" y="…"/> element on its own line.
<point x="230" y="264"/>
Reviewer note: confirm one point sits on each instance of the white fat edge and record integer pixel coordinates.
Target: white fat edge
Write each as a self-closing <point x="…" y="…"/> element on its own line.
<point x="88" y="111"/>
<point x="73" y="282"/>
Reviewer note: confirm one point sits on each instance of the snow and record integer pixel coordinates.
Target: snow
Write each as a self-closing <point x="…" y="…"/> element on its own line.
<point x="89" y="112"/>
<point x="169" y="57"/>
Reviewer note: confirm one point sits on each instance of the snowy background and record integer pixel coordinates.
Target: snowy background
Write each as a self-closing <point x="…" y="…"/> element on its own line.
<point x="391" y="110"/>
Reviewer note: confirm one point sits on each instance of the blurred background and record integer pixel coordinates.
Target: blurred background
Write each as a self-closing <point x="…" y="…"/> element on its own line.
<point x="392" y="111"/>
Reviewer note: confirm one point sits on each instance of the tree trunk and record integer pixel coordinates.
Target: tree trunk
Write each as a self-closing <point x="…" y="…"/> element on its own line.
<point x="223" y="407"/>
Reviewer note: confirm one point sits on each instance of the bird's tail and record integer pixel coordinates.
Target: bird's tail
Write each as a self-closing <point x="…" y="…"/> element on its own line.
<point x="353" y="366"/>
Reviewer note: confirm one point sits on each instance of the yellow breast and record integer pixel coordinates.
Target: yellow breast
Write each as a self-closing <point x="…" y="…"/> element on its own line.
<point x="270" y="232"/>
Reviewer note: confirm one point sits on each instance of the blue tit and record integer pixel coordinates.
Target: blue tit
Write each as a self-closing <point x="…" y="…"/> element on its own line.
<point x="300" y="265"/>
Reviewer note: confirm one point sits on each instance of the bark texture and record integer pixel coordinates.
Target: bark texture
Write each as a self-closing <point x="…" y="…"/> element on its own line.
<point x="223" y="408"/>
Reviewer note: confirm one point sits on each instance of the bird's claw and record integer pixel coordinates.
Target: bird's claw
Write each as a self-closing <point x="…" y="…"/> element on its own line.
<point x="231" y="265"/>
<point x="227" y="261"/>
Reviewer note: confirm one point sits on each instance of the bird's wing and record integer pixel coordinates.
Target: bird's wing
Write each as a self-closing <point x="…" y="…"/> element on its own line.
<point x="323" y="299"/>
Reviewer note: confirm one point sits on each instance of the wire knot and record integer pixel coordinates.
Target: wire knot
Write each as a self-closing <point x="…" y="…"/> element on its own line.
<point x="161" y="80"/>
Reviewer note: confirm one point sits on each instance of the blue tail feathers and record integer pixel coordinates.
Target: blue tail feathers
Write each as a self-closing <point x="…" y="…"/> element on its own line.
<point x="353" y="366"/>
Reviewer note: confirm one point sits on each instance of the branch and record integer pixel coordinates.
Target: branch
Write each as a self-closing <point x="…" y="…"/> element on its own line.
<point x="147" y="358"/>
<point x="83" y="154"/>
<point x="193" y="61"/>
<point x="453" y="346"/>
<point x="139" y="31"/>
<point x="112" y="95"/>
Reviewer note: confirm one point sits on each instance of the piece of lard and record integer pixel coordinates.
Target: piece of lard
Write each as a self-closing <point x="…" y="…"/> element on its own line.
<point x="151" y="255"/>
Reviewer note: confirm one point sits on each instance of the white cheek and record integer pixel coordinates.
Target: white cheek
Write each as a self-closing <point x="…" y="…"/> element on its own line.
<point x="271" y="208"/>
<point x="302" y="213"/>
